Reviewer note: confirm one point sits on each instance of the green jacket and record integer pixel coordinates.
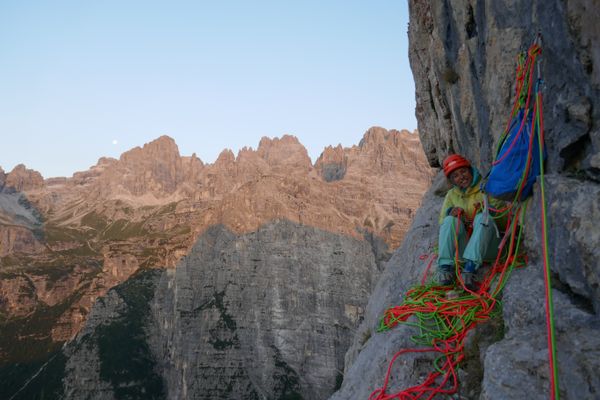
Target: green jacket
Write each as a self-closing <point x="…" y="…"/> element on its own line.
<point x="468" y="198"/>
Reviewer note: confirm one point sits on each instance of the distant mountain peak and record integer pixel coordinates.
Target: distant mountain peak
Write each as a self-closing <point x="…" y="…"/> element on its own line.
<point x="378" y="135"/>
<point x="285" y="151"/>
<point x="22" y="178"/>
<point x="225" y="157"/>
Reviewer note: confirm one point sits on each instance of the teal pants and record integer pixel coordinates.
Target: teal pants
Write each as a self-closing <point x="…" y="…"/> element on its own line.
<point x="482" y="245"/>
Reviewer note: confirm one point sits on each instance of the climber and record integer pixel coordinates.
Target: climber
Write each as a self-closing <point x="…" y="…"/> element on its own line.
<point x="465" y="212"/>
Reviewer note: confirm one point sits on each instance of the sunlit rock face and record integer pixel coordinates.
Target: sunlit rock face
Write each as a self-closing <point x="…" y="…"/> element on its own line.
<point x="463" y="59"/>
<point x="21" y="178"/>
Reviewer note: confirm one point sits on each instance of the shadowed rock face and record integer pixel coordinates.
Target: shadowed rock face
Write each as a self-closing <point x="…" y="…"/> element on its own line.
<point x="264" y="315"/>
<point x="268" y="314"/>
<point x="463" y="60"/>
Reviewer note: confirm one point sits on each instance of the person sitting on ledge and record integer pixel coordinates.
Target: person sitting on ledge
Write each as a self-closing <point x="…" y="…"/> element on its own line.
<point x="463" y="222"/>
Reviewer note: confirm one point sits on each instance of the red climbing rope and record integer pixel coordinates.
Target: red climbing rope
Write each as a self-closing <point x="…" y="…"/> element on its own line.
<point x="444" y="323"/>
<point x="554" y="386"/>
<point x="432" y="258"/>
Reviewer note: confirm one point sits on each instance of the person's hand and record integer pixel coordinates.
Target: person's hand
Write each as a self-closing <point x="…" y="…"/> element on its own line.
<point x="456" y="211"/>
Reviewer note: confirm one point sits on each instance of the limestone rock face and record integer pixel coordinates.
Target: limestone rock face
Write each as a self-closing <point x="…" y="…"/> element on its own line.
<point x="93" y="366"/>
<point x="573" y="209"/>
<point x="379" y="153"/>
<point x="17" y="296"/>
<point x="462" y="55"/>
<point x="463" y="61"/>
<point x="388" y="151"/>
<point x="20" y="225"/>
<point x="89" y="176"/>
<point x="572" y="240"/>
<point x="268" y="314"/>
<point x="332" y="163"/>
<point x="155" y="168"/>
<point x="21" y="178"/>
<point x="285" y="152"/>
<point x="18" y="239"/>
<point x="277" y="306"/>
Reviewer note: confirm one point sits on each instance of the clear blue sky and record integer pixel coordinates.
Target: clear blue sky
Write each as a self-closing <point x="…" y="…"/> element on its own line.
<point x="76" y="76"/>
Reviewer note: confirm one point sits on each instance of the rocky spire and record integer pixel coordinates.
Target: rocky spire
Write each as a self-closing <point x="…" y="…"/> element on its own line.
<point x="331" y="164"/>
<point x="286" y="152"/>
<point x="21" y="178"/>
<point x="156" y="168"/>
<point x="380" y="152"/>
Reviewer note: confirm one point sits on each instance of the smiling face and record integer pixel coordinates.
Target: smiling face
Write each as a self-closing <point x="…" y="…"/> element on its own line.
<point x="461" y="177"/>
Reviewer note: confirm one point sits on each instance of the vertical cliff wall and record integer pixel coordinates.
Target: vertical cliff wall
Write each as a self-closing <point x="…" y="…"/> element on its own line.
<point x="263" y="315"/>
<point x="463" y="56"/>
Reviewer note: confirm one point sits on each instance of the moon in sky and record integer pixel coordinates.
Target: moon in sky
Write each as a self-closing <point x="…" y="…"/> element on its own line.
<point x="115" y="141"/>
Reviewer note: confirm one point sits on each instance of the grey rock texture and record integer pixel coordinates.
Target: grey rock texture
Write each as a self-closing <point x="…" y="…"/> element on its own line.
<point x="463" y="59"/>
<point x="463" y="56"/>
<point x="261" y="316"/>
<point x="82" y="370"/>
<point x="110" y="357"/>
<point x="264" y="315"/>
<point x="573" y="212"/>
<point x="333" y="172"/>
<point x="367" y="360"/>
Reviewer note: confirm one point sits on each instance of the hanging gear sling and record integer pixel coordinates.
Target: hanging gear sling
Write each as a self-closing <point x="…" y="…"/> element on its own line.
<point x="518" y="159"/>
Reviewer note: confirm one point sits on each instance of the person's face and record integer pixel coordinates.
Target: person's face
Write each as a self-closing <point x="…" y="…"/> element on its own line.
<point x="461" y="177"/>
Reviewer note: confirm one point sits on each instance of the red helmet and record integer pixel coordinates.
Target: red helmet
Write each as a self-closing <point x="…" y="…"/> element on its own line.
<point x="454" y="162"/>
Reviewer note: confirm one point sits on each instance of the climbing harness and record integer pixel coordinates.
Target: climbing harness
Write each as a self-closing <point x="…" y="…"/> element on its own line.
<point x="443" y="322"/>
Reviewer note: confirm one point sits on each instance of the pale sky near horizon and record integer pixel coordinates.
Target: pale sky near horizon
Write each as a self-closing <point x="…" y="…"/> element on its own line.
<point x="82" y="79"/>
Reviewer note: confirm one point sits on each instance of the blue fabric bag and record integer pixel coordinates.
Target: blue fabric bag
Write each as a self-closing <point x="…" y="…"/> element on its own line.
<point x="504" y="179"/>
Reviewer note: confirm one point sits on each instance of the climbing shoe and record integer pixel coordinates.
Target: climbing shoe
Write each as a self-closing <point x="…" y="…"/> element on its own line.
<point x="446" y="277"/>
<point x="469" y="281"/>
<point x="471" y="266"/>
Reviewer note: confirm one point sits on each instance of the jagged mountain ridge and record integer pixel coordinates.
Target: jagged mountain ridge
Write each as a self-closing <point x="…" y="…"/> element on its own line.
<point x="157" y="175"/>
